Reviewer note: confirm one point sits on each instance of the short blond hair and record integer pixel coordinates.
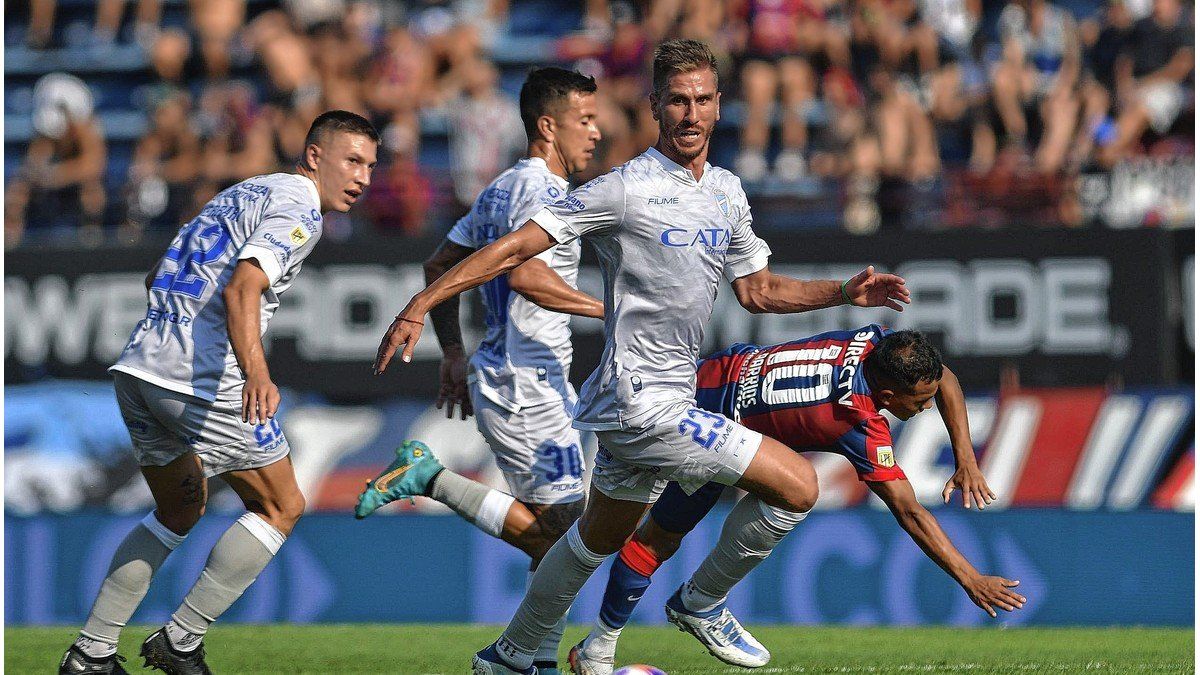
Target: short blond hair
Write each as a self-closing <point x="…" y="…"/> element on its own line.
<point x="681" y="56"/>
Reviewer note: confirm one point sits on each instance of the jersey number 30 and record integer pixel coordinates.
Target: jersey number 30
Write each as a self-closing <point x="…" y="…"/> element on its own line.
<point x="189" y="256"/>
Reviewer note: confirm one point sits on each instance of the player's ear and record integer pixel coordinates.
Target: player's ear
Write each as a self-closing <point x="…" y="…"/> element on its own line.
<point x="654" y="105"/>
<point x="311" y="153"/>
<point x="547" y="127"/>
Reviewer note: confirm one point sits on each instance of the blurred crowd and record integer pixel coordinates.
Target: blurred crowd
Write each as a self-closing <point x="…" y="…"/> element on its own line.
<point x="847" y="93"/>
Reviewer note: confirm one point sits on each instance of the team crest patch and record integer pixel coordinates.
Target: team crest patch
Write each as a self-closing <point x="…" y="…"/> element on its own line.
<point x="884" y="456"/>
<point x="723" y="202"/>
<point x="299" y="235"/>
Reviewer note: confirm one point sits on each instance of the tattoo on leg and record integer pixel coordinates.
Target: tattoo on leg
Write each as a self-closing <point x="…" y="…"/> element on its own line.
<point x="193" y="490"/>
<point x="554" y="520"/>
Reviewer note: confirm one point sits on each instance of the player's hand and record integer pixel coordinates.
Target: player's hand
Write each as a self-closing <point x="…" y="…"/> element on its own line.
<point x="260" y="399"/>
<point x="868" y="289"/>
<point x="970" y="480"/>
<point x="404" y="332"/>
<point x="992" y="592"/>
<point x="454" y="385"/>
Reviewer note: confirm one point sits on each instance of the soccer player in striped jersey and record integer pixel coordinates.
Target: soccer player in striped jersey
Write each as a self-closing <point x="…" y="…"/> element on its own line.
<point x="823" y="393"/>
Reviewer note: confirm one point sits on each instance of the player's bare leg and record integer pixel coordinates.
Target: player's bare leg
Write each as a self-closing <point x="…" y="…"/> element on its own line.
<point x="273" y="504"/>
<point x="180" y="492"/>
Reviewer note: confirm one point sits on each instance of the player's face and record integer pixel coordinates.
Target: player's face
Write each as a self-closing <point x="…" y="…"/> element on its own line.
<point x="575" y="131"/>
<point x="906" y="404"/>
<point x="343" y="164"/>
<point x="687" y="111"/>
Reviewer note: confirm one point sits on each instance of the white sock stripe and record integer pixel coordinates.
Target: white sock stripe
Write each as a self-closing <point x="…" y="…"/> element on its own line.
<point x="263" y="531"/>
<point x="581" y="551"/>
<point x="780" y="518"/>
<point x="493" y="511"/>
<point x="162" y="532"/>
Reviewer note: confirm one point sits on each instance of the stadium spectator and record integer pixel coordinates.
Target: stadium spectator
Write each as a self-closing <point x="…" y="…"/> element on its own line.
<point x="1040" y="69"/>
<point x="400" y="194"/>
<point x="165" y="168"/>
<point x="60" y="184"/>
<point x="774" y="40"/>
<point x="1158" y="57"/>
<point x="108" y="22"/>
<point x="400" y="79"/>
<point x="217" y="24"/>
<point x="486" y="133"/>
<point x="237" y="137"/>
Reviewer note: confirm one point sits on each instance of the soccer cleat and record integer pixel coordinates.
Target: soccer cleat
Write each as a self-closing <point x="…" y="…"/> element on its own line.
<point x="159" y="653"/>
<point x="408" y="475"/>
<point x="719" y="632"/>
<point x="585" y="663"/>
<point x="488" y="662"/>
<point x="75" y="662"/>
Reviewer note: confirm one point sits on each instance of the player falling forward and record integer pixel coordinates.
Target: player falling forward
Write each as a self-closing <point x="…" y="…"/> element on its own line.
<point x="666" y="226"/>
<point x="519" y="392"/>
<point x="823" y="393"/>
<point x="196" y="395"/>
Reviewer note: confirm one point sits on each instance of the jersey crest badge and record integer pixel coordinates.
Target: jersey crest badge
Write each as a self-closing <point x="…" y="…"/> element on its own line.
<point x="723" y="202"/>
<point x="299" y="235"/>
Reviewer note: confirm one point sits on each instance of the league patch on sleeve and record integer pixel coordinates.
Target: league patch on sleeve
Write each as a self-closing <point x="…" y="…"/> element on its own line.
<point x="299" y="235"/>
<point x="884" y="456"/>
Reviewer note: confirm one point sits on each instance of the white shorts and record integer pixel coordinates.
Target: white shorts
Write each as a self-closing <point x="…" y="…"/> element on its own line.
<point x="1163" y="102"/>
<point x="165" y="425"/>
<point x="537" y="450"/>
<point x="683" y="444"/>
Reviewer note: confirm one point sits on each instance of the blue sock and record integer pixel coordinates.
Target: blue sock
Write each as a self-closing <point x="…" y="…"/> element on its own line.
<point x="621" y="596"/>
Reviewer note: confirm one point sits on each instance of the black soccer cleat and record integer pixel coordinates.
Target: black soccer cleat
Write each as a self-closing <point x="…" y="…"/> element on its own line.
<point x="75" y="662"/>
<point x="159" y="653"/>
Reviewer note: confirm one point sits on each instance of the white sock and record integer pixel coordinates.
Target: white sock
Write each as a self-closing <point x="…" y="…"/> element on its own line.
<point x="95" y="648"/>
<point x="563" y="571"/>
<point x="547" y="652"/>
<point x="181" y="638"/>
<point x="479" y="504"/>
<point x="751" y="531"/>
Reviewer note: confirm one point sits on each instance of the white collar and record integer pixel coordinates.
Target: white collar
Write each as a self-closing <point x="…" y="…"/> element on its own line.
<point x="539" y="163"/>
<point x="312" y="190"/>
<point x="676" y="169"/>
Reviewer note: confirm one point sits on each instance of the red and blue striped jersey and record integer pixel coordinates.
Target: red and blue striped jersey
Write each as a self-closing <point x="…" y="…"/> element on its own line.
<point x="810" y="394"/>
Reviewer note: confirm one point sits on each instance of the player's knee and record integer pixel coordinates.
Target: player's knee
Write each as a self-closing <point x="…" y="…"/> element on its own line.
<point x="663" y="545"/>
<point x="180" y="519"/>
<point x="283" y="511"/>
<point x="800" y="492"/>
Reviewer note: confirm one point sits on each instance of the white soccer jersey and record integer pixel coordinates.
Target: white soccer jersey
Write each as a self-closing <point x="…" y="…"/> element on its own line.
<point x="183" y="344"/>
<point x="663" y="239"/>
<point x="525" y="357"/>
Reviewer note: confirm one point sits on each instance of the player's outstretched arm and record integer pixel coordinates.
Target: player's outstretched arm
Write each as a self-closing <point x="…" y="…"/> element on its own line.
<point x="765" y="292"/>
<point x="481" y="266"/>
<point x="542" y="286"/>
<point x="453" y="389"/>
<point x="952" y="406"/>
<point x="989" y="592"/>
<point x="243" y="307"/>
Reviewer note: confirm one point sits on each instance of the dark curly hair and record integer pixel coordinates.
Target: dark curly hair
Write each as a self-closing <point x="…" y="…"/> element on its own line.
<point x="904" y="359"/>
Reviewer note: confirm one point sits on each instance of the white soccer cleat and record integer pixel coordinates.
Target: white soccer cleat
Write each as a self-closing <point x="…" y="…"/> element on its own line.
<point x="585" y="659"/>
<point x="719" y="632"/>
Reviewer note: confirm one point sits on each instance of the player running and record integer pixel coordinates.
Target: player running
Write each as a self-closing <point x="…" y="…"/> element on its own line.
<point x="823" y="393"/>
<point x="519" y="392"/>
<point x="666" y="226"/>
<point x="197" y="397"/>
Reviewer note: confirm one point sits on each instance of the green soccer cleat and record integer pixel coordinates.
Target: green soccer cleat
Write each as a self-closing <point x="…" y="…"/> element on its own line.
<point x="408" y="476"/>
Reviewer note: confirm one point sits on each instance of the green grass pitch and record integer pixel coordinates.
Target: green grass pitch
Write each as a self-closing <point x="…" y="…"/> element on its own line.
<point x="447" y="648"/>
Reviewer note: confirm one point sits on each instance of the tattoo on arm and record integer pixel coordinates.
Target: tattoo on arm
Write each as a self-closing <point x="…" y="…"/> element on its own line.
<point x="445" y="316"/>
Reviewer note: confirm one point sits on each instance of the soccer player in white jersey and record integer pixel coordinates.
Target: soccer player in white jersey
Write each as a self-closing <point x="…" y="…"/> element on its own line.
<point x="518" y="386"/>
<point x="197" y="397"/>
<point x="666" y="226"/>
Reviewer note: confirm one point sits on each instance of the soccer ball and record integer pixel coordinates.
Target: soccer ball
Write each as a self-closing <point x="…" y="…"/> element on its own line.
<point x="639" y="669"/>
